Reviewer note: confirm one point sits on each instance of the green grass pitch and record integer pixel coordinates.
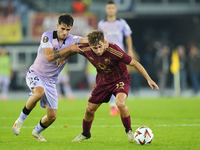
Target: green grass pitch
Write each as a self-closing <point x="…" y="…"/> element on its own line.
<point x="175" y="123"/>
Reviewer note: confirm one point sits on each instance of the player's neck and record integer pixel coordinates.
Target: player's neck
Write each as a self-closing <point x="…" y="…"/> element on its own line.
<point x="111" y="18"/>
<point x="60" y="41"/>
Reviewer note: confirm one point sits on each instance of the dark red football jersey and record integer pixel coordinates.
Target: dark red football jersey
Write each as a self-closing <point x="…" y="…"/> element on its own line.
<point x="111" y="65"/>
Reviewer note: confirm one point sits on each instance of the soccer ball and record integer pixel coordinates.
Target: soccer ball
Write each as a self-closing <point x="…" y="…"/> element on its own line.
<point x="143" y="136"/>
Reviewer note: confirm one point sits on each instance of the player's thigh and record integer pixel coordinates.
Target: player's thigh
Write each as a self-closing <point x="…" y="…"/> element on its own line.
<point x="121" y="98"/>
<point x="38" y="91"/>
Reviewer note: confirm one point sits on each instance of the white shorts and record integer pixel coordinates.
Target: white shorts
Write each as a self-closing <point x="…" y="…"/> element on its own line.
<point x="50" y="93"/>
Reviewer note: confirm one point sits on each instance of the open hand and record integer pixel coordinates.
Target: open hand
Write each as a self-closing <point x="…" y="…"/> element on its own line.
<point x="152" y="84"/>
<point x="75" y="48"/>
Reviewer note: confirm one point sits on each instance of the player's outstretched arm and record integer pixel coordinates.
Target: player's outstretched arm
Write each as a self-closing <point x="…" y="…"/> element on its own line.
<point x="61" y="61"/>
<point x="141" y="69"/>
<point x="53" y="55"/>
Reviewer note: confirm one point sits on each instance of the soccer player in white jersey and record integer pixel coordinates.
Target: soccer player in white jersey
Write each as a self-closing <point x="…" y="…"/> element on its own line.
<point x="114" y="30"/>
<point x="42" y="75"/>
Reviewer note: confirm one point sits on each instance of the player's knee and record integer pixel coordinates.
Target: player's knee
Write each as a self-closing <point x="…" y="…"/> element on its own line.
<point x="89" y="112"/>
<point x="52" y="118"/>
<point x="120" y="104"/>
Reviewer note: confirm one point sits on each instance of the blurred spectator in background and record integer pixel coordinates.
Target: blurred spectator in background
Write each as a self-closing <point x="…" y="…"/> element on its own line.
<point x="194" y="69"/>
<point x="81" y="6"/>
<point x="162" y="63"/>
<point x="5" y="73"/>
<point x="87" y="4"/>
<point x="183" y="67"/>
<point x="78" y="6"/>
<point x="7" y="7"/>
<point x="114" y="30"/>
<point x="135" y="76"/>
<point x="91" y="73"/>
<point x="148" y="59"/>
<point x="64" y="87"/>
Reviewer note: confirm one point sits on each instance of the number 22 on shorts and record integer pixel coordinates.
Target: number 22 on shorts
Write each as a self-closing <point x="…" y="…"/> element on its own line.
<point x="120" y="85"/>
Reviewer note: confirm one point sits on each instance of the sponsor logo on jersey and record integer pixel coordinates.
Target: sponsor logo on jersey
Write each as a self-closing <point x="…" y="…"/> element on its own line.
<point x="107" y="61"/>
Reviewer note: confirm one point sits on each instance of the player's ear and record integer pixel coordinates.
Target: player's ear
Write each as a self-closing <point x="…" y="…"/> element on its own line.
<point x="106" y="43"/>
<point x="57" y="26"/>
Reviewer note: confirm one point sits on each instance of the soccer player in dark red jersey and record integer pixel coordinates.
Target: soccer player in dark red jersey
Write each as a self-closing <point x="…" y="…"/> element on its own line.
<point x="112" y="78"/>
<point x="115" y="30"/>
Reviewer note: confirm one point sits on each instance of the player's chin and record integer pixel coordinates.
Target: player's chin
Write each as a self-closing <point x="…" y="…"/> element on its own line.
<point x="63" y="38"/>
<point x="99" y="54"/>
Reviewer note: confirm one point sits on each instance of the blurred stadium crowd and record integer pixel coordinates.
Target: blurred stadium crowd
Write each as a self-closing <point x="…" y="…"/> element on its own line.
<point x="159" y="27"/>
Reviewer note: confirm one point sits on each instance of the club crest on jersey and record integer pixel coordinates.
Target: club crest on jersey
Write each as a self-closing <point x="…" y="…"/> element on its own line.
<point x="107" y="61"/>
<point x="45" y="39"/>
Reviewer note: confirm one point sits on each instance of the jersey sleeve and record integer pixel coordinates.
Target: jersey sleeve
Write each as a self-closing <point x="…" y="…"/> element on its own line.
<point x="46" y="40"/>
<point x="123" y="57"/>
<point x="126" y="29"/>
<point x="83" y="49"/>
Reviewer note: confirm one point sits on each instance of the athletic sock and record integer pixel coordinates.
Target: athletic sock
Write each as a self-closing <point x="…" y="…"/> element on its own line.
<point x="24" y="114"/>
<point x="127" y="123"/>
<point x="40" y="127"/>
<point x="86" y="127"/>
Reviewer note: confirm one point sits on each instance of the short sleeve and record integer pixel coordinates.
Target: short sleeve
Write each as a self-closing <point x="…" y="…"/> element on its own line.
<point x="125" y="58"/>
<point x="126" y="28"/>
<point x="82" y="47"/>
<point x="45" y="40"/>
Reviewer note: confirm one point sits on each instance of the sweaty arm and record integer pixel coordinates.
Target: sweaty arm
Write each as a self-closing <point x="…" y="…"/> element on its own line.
<point x="61" y="61"/>
<point x="141" y="69"/>
<point x="53" y="55"/>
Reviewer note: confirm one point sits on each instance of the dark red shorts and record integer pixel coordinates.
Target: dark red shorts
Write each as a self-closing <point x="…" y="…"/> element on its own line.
<point x="102" y="93"/>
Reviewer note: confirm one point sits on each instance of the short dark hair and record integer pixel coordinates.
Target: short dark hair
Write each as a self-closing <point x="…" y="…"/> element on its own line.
<point x="95" y="36"/>
<point x="110" y="2"/>
<point x="66" y="19"/>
